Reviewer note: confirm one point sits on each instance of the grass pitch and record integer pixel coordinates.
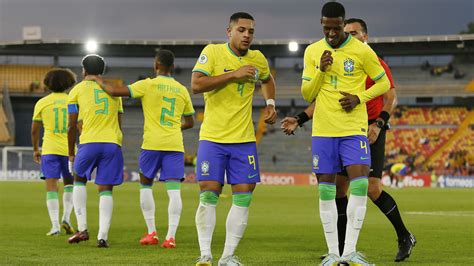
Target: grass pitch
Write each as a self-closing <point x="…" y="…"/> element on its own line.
<point x="283" y="228"/>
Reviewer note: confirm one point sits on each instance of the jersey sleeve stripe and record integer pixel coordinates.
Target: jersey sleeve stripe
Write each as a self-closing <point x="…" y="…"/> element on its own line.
<point x="130" y="90"/>
<point x="189" y="114"/>
<point x="379" y="76"/>
<point x="265" y="78"/>
<point x="72" y="108"/>
<point x="202" y="71"/>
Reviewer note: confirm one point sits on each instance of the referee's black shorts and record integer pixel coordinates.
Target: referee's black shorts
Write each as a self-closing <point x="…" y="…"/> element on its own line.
<point x="377" y="155"/>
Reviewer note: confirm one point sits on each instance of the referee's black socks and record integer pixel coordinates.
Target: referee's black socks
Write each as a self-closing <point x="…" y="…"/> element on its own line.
<point x="388" y="206"/>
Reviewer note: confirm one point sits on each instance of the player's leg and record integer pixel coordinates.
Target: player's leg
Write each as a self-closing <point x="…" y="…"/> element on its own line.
<point x="50" y="169"/>
<point x="109" y="174"/>
<point x="68" y="181"/>
<point x="52" y="202"/>
<point x="173" y="173"/>
<point x="384" y="201"/>
<point x="242" y="173"/>
<point x="211" y="163"/>
<point x="149" y="163"/>
<point x="342" y="186"/>
<point x="84" y="163"/>
<point x="355" y="154"/>
<point x="236" y="222"/>
<point x="326" y="164"/>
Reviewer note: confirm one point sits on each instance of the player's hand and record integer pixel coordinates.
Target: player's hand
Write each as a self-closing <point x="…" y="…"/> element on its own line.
<point x="245" y="74"/>
<point x="326" y="61"/>
<point x="71" y="164"/>
<point x="270" y="114"/>
<point x="374" y="132"/>
<point x="95" y="78"/>
<point x="349" y="101"/>
<point x="37" y="156"/>
<point x="289" y="125"/>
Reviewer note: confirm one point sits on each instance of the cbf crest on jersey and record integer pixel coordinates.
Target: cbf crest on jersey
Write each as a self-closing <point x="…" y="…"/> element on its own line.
<point x="348" y="67"/>
<point x="204" y="168"/>
<point x="316" y="162"/>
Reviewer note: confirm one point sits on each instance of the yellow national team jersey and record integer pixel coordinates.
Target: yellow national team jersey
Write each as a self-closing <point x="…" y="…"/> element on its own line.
<point x="396" y="168"/>
<point x="164" y="102"/>
<point x="352" y="62"/>
<point x="228" y="110"/>
<point x="99" y="113"/>
<point x="51" y="110"/>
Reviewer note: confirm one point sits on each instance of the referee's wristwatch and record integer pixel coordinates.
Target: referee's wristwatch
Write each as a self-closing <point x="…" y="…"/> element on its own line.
<point x="380" y="123"/>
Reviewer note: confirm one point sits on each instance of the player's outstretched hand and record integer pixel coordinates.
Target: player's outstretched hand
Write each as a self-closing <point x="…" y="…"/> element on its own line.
<point x="245" y="73"/>
<point x="37" y="156"/>
<point x="374" y="132"/>
<point x="349" y="101"/>
<point x="289" y="125"/>
<point x="270" y="114"/>
<point x="326" y="61"/>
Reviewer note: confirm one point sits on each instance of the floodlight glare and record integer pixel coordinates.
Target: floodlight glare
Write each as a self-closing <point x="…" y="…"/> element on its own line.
<point x="293" y="46"/>
<point x="91" y="46"/>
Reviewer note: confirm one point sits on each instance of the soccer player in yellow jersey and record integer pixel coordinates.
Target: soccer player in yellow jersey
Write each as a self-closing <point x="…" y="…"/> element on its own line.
<point x="226" y="74"/>
<point x="51" y="113"/>
<point x="334" y="76"/>
<point x="165" y="101"/>
<point x="99" y="148"/>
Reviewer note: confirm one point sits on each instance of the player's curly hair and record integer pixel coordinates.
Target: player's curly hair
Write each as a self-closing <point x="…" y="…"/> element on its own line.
<point x="59" y="79"/>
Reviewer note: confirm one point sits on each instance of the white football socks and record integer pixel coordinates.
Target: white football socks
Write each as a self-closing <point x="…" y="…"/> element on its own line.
<point x="356" y="208"/>
<point x="79" y="199"/>
<point x="235" y="228"/>
<point x="147" y="204"/>
<point x="67" y="203"/>
<point x="106" y="206"/>
<point x="205" y="223"/>
<point x="52" y="203"/>
<point x="175" y="206"/>
<point x="328" y="215"/>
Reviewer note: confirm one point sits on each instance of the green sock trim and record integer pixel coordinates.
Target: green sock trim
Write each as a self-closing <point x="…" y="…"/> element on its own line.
<point x="105" y="193"/>
<point x="142" y="186"/>
<point x="327" y="191"/>
<point x="79" y="183"/>
<point x="359" y="186"/>
<point x="209" y="197"/>
<point x="173" y="185"/>
<point x="68" y="188"/>
<point x="242" y="199"/>
<point x="52" y="195"/>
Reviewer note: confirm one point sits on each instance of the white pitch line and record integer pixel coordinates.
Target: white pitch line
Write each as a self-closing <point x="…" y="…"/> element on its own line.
<point x="444" y="213"/>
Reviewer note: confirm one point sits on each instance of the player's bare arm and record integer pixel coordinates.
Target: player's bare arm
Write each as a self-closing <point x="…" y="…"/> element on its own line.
<point x="390" y="102"/>
<point x="290" y="124"/>
<point x="110" y="90"/>
<point x="35" y="136"/>
<point x="201" y="83"/>
<point x="71" y="135"/>
<point x="268" y="91"/>
<point x="188" y="122"/>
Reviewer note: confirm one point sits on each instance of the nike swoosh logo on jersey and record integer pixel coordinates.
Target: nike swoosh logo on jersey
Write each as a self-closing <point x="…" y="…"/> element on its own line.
<point x="227" y="70"/>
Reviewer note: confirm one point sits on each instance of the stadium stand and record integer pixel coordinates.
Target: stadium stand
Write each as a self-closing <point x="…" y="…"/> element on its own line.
<point x="23" y="78"/>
